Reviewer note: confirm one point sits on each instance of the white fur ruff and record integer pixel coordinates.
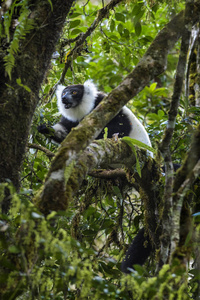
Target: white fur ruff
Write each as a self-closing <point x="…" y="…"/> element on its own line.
<point x="84" y="108"/>
<point x="138" y="131"/>
<point x="59" y="129"/>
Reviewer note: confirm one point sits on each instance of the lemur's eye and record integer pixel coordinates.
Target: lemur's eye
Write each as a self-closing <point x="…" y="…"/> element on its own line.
<point x="74" y="92"/>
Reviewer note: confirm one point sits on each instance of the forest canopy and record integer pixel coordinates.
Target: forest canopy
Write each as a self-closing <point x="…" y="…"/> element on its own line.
<point x="65" y="237"/>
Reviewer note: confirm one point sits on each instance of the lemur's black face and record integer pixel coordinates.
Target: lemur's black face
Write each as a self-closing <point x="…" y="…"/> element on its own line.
<point x="72" y="95"/>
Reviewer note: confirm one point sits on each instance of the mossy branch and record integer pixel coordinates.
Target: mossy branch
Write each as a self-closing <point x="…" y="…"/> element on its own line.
<point x="152" y="64"/>
<point x="99" y="154"/>
<point x="177" y="207"/>
<point x="41" y="148"/>
<point x="164" y="146"/>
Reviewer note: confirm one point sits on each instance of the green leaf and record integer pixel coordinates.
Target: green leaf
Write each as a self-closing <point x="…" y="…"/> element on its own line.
<point x="51" y="4"/>
<point x="137" y="9"/>
<point x="90" y="211"/>
<point x="89" y="232"/>
<point x="74" y="23"/>
<point x="161" y="92"/>
<point x="196" y="273"/>
<point x="161" y="113"/>
<point x="75" y="31"/>
<point x="125" y="33"/>
<point x="140" y="144"/>
<point x="132" y="143"/>
<point x="120" y="28"/>
<point x="120" y="17"/>
<point x="13" y="249"/>
<point x="138" y="28"/>
<point x="148" y="38"/>
<point x="139" y="16"/>
<point x="114" y="37"/>
<point x="153" y="87"/>
<point x="18" y="80"/>
<point x="112" y="25"/>
<point x="75" y="15"/>
<point x="117" y="192"/>
<point x="135" y="153"/>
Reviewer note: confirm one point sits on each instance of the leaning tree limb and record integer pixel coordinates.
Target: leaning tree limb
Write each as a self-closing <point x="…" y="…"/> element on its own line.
<point x="164" y="146"/>
<point x="152" y="64"/>
<point x="99" y="153"/>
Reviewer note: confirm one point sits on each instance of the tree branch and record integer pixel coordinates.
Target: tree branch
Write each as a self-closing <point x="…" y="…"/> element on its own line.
<point x="43" y="149"/>
<point x="180" y="194"/>
<point x="151" y="65"/>
<point x="185" y="177"/>
<point x="164" y="146"/>
<point x="108" y="174"/>
<point x="179" y="78"/>
<point x="99" y="153"/>
<point x="191" y="160"/>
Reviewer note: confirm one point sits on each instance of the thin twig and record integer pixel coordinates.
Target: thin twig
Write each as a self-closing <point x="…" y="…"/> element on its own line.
<point x="102" y="13"/>
<point x="41" y="148"/>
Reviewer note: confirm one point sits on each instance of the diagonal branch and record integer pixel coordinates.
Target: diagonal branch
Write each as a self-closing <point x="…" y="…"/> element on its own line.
<point x="41" y="148"/>
<point x="99" y="153"/>
<point x="152" y="64"/>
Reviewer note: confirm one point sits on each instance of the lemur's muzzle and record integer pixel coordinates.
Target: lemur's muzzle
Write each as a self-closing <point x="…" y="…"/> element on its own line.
<point x="67" y="101"/>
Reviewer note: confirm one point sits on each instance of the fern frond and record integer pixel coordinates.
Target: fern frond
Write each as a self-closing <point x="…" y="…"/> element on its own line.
<point x="22" y="29"/>
<point x="9" y="63"/>
<point x="8" y="19"/>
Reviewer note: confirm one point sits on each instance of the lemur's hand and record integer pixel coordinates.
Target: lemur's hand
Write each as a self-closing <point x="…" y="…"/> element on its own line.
<point x="46" y="130"/>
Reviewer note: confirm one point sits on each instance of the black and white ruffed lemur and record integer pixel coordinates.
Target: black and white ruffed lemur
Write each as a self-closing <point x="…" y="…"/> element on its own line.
<point x="77" y="101"/>
<point x="74" y="103"/>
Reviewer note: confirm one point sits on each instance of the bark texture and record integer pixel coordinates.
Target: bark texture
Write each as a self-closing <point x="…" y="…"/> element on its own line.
<point x="17" y="105"/>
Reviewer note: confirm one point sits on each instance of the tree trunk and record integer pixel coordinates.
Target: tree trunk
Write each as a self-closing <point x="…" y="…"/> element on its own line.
<point x="17" y="105"/>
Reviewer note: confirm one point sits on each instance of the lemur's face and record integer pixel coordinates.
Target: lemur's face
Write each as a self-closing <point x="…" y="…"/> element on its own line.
<point x="72" y="95"/>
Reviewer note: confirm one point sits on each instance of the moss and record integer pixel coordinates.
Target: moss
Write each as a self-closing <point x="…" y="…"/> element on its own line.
<point x="57" y="201"/>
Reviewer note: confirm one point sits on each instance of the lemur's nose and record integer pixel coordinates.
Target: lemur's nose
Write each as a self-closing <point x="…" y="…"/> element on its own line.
<point x="67" y="100"/>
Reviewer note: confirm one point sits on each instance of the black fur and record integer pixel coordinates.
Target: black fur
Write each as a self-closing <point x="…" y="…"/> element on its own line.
<point x="71" y="98"/>
<point x="59" y="136"/>
<point x="138" y="251"/>
<point x="74" y="103"/>
<point x="72" y="95"/>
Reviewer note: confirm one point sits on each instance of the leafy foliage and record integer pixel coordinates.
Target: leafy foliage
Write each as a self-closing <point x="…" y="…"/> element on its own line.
<point x="68" y="268"/>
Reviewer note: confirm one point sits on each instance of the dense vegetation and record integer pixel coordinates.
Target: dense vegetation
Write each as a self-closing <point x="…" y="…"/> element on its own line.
<point x="72" y="248"/>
